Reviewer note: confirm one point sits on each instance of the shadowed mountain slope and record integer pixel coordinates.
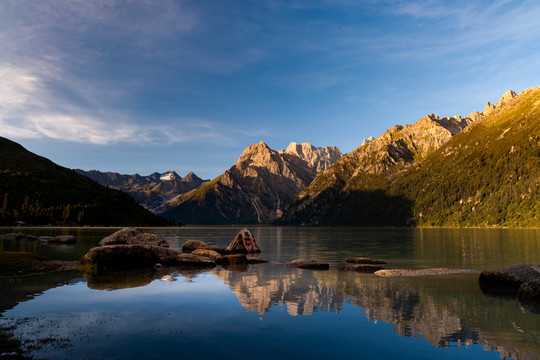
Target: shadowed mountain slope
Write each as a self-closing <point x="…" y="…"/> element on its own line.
<point x="37" y="191"/>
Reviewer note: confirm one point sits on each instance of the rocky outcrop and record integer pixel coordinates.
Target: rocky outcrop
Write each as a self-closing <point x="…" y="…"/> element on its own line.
<point x="308" y="264"/>
<point x="128" y="236"/>
<point x="153" y="191"/>
<point x="318" y="158"/>
<point x="256" y="189"/>
<point x="521" y="280"/>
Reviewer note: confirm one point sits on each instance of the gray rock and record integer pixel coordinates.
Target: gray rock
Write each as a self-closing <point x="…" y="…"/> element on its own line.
<point x="131" y="256"/>
<point x="191" y="245"/>
<point x="308" y="264"/>
<point x="128" y="236"/>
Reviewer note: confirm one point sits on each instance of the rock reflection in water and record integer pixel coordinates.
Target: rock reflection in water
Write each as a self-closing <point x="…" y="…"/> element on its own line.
<point x="445" y="310"/>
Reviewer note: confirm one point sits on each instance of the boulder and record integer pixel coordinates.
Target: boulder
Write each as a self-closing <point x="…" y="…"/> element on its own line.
<point x="60" y="239"/>
<point x="191" y="245"/>
<point x="364" y="260"/>
<point x="214" y="255"/>
<point x="509" y="279"/>
<point x="191" y="260"/>
<point x="243" y="243"/>
<point x="131" y="256"/>
<point x="365" y="268"/>
<point x="422" y="272"/>
<point x="135" y="236"/>
<point x="308" y="264"/>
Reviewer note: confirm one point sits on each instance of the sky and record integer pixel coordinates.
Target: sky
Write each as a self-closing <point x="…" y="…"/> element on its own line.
<point x="144" y="86"/>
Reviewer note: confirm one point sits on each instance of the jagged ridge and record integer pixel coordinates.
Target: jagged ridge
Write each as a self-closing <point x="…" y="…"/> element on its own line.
<point x="153" y="191"/>
<point x="375" y="185"/>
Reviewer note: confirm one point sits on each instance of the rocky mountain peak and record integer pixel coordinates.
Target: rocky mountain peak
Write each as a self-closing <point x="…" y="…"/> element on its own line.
<point x="367" y="141"/>
<point x="191" y="177"/>
<point x="169" y="175"/>
<point x="507" y="96"/>
<point x="318" y="158"/>
<point x="257" y="154"/>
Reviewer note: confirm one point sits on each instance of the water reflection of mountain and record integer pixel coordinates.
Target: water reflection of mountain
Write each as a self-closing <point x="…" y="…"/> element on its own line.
<point x="299" y="292"/>
<point x="446" y="311"/>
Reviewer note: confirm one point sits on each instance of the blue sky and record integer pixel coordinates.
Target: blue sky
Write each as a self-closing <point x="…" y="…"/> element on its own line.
<point x="144" y="86"/>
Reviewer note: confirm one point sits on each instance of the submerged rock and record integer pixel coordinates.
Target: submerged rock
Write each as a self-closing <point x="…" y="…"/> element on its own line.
<point x="257" y="261"/>
<point x="191" y="245"/>
<point x="60" y="239"/>
<point x="364" y="260"/>
<point x="422" y="272"/>
<point x="243" y="243"/>
<point x="18" y="236"/>
<point x="308" y="264"/>
<point x="136" y="236"/>
<point x="366" y="268"/>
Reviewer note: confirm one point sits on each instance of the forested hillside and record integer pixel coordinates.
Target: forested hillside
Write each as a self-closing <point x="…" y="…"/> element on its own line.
<point x="36" y="191"/>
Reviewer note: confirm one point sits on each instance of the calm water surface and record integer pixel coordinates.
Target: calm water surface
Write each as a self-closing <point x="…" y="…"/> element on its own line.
<point x="270" y="311"/>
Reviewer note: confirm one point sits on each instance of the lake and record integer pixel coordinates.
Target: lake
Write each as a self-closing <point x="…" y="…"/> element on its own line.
<point x="270" y="311"/>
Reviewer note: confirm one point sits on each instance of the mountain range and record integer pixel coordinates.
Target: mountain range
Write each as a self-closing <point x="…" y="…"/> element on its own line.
<point x="153" y="191"/>
<point x="257" y="188"/>
<point x="481" y="170"/>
